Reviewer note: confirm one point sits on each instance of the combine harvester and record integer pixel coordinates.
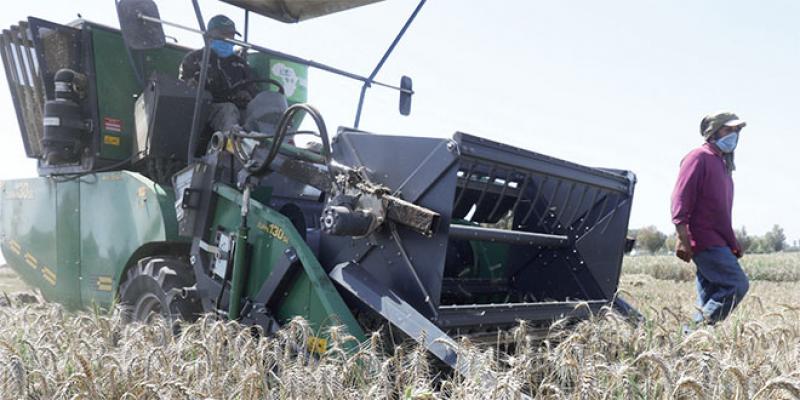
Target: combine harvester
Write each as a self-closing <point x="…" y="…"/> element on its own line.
<point x="137" y="201"/>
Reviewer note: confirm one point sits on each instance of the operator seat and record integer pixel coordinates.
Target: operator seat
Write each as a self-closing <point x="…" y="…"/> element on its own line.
<point x="264" y="112"/>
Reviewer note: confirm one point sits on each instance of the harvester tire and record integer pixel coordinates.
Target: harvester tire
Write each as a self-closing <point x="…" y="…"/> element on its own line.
<point x="159" y="286"/>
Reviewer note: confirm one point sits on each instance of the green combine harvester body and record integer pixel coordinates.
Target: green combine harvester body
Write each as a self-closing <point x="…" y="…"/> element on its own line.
<point x="139" y="203"/>
<point x="74" y="238"/>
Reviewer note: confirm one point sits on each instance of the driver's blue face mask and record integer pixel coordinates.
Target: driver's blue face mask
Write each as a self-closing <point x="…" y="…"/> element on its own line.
<point x="222" y="48"/>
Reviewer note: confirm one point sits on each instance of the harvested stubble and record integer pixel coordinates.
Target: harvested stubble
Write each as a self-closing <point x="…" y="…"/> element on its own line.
<point x="46" y="352"/>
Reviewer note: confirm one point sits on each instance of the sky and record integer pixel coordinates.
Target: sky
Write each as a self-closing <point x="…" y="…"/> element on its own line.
<point x="619" y="84"/>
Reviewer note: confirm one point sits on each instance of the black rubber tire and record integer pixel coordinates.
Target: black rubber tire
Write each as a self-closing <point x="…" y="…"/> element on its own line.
<point x="159" y="286"/>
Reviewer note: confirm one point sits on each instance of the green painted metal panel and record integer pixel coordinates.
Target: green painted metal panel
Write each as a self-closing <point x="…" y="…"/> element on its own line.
<point x="117" y="87"/>
<point x="293" y="77"/>
<point x="312" y="294"/>
<point x="67" y="243"/>
<point x="490" y="259"/>
<point x="120" y="212"/>
<point x="35" y="213"/>
<point x="72" y="239"/>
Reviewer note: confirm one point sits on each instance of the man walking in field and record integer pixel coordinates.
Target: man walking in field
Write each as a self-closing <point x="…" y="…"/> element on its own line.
<point x="702" y="203"/>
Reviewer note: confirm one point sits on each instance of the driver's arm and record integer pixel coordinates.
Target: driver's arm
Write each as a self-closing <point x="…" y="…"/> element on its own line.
<point x="252" y="88"/>
<point x="189" y="70"/>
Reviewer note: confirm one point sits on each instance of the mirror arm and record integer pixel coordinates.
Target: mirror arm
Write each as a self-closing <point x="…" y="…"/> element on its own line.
<point x="386" y="55"/>
<point x="200" y="21"/>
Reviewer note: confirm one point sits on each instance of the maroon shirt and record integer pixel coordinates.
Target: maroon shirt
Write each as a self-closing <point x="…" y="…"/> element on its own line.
<point x="703" y="199"/>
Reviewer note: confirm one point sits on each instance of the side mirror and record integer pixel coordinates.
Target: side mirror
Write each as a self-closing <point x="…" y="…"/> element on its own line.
<point x="137" y="32"/>
<point x="406" y="91"/>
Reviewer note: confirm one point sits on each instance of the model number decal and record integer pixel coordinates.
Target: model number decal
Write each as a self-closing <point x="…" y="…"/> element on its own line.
<point x="274" y="231"/>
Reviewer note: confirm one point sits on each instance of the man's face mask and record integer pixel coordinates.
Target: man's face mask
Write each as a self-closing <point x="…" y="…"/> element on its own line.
<point x="727" y="144"/>
<point x="222" y="48"/>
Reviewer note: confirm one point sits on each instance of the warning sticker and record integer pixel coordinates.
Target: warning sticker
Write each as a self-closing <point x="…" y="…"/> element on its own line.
<point x="112" y="124"/>
<point x="112" y="140"/>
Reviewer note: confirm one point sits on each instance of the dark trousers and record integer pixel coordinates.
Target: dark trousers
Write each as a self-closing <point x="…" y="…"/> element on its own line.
<point x="721" y="283"/>
<point x="223" y="116"/>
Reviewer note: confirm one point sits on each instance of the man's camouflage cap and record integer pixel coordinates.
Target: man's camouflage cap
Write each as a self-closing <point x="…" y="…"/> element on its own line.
<point x="221" y="24"/>
<point x="712" y="122"/>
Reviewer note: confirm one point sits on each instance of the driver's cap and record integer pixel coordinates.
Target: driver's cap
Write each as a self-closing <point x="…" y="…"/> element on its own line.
<point x="222" y="25"/>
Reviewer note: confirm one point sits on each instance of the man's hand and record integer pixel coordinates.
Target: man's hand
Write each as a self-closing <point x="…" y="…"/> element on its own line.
<point x="684" y="248"/>
<point x="684" y="252"/>
<point x="241" y="98"/>
<point x="738" y="252"/>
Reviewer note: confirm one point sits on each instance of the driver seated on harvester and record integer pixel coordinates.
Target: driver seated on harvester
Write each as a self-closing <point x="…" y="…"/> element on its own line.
<point x="231" y="81"/>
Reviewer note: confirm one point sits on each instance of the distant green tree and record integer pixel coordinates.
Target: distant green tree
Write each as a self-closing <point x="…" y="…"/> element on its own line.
<point x="671" y="242"/>
<point x="650" y="239"/>
<point x="759" y="245"/>
<point x="775" y="239"/>
<point x="745" y="240"/>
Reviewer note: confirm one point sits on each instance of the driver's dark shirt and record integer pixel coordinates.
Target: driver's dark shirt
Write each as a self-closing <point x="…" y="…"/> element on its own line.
<point x="223" y="74"/>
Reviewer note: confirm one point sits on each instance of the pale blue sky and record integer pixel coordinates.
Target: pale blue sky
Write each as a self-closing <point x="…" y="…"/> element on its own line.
<point x="619" y="84"/>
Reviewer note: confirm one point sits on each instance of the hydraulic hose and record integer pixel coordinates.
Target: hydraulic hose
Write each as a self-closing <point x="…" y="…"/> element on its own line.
<point x="280" y="134"/>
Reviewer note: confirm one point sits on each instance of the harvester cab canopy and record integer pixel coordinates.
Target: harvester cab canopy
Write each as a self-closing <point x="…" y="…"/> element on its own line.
<point x="297" y="10"/>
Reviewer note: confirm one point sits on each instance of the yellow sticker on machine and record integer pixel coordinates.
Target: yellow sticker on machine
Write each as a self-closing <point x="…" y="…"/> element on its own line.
<point x="31" y="260"/>
<point x="317" y="344"/>
<point x="104" y="283"/>
<point x="49" y="275"/>
<point x="111" y="140"/>
<point x="15" y="247"/>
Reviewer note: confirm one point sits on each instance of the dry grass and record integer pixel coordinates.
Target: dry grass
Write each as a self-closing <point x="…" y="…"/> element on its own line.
<point x="48" y="353"/>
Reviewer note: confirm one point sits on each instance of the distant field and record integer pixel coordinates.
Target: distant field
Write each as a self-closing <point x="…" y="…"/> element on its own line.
<point x="777" y="267"/>
<point x="49" y="353"/>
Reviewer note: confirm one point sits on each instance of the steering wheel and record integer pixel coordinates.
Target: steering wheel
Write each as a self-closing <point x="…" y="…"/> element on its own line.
<point x="246" y="82"/>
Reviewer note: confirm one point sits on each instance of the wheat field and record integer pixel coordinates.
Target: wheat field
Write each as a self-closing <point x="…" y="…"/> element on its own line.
<point x="47" y="353"/>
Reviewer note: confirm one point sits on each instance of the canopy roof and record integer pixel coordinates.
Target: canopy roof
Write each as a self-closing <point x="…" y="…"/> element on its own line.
<point x="297" y="10"/>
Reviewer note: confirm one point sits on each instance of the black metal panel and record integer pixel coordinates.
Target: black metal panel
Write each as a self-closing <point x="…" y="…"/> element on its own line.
<point x="27" y="72"/>
<point x="162" y="118"/>
<point x="423" y="169"/>
<point x="459" y="316"/>
<point x="604" y="245"/>
<point x="396" y="310"/>
<point x="58" y="47"/>
<point x="282" y="272"/>
<point x="527" y="200"/>
<point x="546" y="207"/>
<point x="467" y="232"/>
<point x="11" y="70"/>
<point x="480" y="148"/>
<point x="473" y="287"/>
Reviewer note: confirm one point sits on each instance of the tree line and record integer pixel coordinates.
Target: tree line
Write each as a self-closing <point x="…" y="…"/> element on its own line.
<point x="650" y="239"/>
